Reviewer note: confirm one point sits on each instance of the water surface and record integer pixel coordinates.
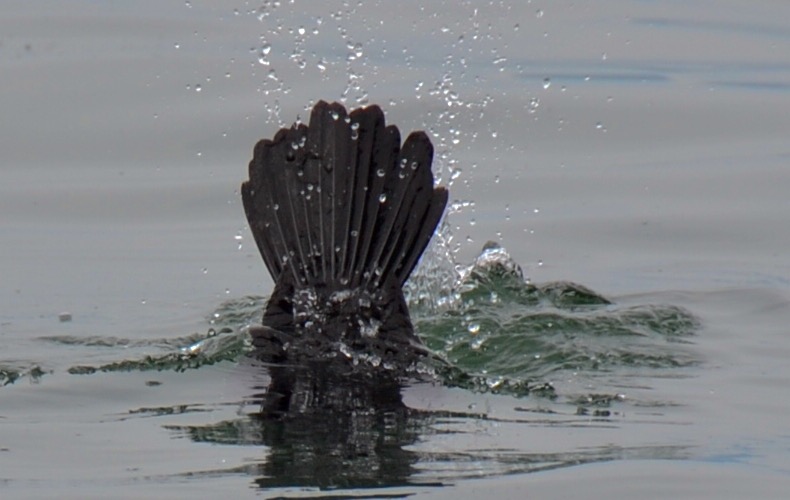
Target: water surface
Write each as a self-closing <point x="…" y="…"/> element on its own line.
<point x="618" y="152"/>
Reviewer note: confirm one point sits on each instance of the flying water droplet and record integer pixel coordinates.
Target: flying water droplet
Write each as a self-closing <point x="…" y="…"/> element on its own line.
<point x="263" y="54"/>
<point x="534" y="104"/>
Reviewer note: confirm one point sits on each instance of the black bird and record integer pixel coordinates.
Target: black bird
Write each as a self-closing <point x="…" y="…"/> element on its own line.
<point x="341" y="213"/>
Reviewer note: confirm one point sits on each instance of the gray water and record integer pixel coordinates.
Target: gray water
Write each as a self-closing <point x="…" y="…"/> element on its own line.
<point x="636" y="148"/>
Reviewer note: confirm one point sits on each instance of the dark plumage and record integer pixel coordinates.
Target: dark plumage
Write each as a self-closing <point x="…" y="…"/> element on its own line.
<point x="341" y="213"/>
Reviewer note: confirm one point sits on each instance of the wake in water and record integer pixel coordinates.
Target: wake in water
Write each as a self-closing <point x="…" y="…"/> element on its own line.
<point x="492" y="331"/>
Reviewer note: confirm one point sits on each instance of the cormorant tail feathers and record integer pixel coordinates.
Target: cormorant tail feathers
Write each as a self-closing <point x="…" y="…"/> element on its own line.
<point x="340" y="211"/>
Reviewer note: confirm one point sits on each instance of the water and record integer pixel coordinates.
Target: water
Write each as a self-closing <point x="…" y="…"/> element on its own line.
<point x="642" y="193"/>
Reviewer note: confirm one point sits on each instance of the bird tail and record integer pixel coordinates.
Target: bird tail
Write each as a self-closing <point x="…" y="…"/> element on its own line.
<point x="340" y="205"/>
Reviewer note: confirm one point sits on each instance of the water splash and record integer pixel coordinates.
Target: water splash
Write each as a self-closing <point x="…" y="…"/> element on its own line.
<point x="489" y="328"/>
<point x="503" y="326"/>
<point x="225" y="345"/>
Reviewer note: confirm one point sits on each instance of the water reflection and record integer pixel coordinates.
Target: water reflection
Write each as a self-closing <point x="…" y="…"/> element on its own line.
<point x="330" y="430"/>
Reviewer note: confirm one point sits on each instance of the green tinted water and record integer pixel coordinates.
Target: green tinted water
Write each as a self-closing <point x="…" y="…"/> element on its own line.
<point x="496" y="333"/>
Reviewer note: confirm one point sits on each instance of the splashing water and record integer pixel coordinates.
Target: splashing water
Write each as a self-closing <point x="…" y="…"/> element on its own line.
<point x="492" y="331"/>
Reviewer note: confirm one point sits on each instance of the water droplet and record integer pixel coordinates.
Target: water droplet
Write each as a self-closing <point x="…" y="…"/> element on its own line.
<point x="380" y="172"/>
<point x="276" y="206"/>
<point x="546" y="83"/>
<point x="263" y="54"/>
<point x="382" y="197"/>
<point x="205" y="270"/>
<point x="177" y="45"/>
<point x="474" y="328"/>
<point x="539" y="13"/>
<point x="534" y="103"/>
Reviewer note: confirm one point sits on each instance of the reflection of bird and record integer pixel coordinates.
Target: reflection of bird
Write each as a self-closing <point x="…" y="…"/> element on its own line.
<point x="341" y="214"/>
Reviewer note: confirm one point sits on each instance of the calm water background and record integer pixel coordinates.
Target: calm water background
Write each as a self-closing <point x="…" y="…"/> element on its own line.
<point x="636" y="147"/>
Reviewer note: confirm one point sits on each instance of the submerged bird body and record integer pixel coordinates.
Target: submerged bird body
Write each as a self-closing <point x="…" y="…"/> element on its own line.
<point x="341" y="214"/>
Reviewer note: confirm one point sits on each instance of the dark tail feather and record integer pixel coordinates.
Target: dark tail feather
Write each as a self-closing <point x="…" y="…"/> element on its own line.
<point x="339" y="203"/>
